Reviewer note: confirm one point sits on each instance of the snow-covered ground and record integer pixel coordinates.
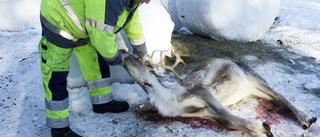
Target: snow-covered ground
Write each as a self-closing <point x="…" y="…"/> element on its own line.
<point x="22" y="110"/>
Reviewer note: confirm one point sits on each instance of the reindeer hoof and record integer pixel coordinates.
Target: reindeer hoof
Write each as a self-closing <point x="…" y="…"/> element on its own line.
<point x="268" y="130"/>
<point x="310" y="121"/>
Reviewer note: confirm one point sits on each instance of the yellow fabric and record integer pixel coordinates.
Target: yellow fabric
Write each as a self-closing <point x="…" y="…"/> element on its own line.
<point x="53" y="11"/>
<point x="58" y="59"/>
<point x="99" y="91"/>
<point x="78" y="7"/>
<point x="57" y="114"/>
<point x="95" y="9"/>
<point x="88" y="60"/>
<point x="53" y="58"/>
<point x="103" y="42"/>
<point x="121" y="19"/>
<point x="133" y="28"/>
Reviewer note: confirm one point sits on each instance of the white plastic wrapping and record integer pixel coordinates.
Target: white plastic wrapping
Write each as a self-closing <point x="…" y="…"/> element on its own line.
<point x="240" y="20"/>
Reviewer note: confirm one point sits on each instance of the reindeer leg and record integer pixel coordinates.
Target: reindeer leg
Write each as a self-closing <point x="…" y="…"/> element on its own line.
<point x="253" y="127"/>
<point x="211" y="114"/>
<point x="235" y="125"/>
<point x="267" y="93"/>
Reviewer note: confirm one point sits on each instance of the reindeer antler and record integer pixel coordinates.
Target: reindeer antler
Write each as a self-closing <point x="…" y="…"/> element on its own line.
<point x="171" y="68"/>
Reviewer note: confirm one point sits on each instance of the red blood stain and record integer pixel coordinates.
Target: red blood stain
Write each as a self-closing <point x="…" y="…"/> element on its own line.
<point x="151" y="114"/>
<point x="266" y="111"/>
<point x="270" y="113"/>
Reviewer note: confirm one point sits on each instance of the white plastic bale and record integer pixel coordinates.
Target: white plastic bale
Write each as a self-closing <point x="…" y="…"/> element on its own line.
<point x="17" y="15"/>
<point x="171" y="7"/>
<point x="157" y="27"/>
<point x="240" y="20"/>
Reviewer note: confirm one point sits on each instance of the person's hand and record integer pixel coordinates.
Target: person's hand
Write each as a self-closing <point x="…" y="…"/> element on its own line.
<point x="146" y="57"/>
<point x="118" y="60"/>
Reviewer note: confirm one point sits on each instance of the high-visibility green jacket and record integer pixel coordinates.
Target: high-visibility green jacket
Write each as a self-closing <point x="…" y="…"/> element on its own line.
<point x="72" y="23"/>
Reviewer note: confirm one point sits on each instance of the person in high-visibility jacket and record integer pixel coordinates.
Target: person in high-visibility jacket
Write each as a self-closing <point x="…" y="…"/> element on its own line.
<point x="86" y="27"/>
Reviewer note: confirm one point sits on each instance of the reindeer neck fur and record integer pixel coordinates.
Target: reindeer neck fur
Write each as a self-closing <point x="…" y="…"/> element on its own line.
<point x="165" y="99"/>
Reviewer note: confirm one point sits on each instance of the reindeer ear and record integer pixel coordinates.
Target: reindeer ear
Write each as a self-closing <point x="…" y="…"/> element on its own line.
<point x="157" y="73"/>
<point x="153" y="72"/>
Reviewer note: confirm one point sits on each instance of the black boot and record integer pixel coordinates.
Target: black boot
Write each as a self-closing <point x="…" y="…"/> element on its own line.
<point x="112" y="106"/>
<point x="63" y="132"/>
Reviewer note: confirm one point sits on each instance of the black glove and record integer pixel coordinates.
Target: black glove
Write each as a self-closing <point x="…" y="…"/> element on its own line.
<point x="117" y="61"/>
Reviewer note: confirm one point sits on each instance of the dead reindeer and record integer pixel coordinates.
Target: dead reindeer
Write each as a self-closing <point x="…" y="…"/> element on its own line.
<point x="212" y="85"/>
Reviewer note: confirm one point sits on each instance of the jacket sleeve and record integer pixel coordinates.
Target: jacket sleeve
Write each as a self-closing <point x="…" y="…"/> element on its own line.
<point x="135" y="34"/>
<point x="101" y="19"/>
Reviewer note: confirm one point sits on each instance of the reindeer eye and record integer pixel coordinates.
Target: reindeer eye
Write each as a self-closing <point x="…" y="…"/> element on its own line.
<point x="152" y="71"/>
<point x="147" y="84"/>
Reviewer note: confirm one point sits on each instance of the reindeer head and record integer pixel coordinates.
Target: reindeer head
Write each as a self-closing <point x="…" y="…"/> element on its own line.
<point x="144" y="74"/>
<point x="138" y="70"/>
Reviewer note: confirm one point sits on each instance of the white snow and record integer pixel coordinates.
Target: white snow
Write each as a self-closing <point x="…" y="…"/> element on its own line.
<point x="22" y="109"/>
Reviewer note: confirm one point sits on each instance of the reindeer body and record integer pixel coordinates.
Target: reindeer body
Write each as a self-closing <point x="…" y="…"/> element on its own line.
<point x="206" y="91"/>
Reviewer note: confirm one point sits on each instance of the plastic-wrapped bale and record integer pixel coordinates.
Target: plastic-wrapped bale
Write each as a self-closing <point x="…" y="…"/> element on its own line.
<point x="18" y="15"/>
<point x="157" y="27"/>
<point x="171" y="7"/>
<point x="239" y="20"/>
